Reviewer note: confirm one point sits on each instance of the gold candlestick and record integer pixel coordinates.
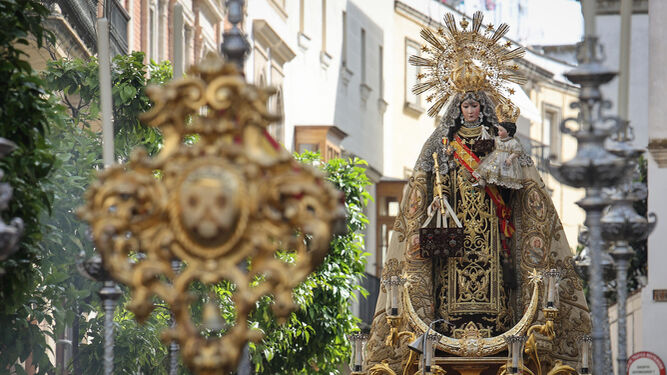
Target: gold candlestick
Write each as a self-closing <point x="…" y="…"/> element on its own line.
<point x="438" y="184"/>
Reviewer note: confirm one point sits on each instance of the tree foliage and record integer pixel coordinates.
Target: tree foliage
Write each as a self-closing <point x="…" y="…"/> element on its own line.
<point x="25" y="113"/>
<point x="77" y="83"/>
<point x="314" y="338"/>
<point x="62" y="298"/>
<point x="78" y="149"/>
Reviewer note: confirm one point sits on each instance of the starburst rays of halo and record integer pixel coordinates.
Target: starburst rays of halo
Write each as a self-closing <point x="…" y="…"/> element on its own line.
<point x="450" y="47"/>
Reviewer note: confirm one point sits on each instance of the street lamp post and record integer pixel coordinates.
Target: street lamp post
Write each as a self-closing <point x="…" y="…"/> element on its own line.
<point x="621" y="225"/>
<point x="234" y="44"/>
<point x="592" y="168"/>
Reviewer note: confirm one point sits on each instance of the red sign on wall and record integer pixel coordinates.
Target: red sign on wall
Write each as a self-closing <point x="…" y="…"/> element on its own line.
<point x="645" y="363"/>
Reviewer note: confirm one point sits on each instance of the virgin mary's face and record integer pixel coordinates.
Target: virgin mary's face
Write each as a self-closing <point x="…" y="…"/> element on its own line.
<point x="470" y="109"/>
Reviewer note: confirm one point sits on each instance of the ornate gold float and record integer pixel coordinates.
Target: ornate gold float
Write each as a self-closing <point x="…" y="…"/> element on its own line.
<point x="472" y="353"/>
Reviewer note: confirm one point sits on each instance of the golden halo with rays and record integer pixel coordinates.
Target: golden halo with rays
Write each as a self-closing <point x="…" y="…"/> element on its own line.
<point x="466" y="59"/>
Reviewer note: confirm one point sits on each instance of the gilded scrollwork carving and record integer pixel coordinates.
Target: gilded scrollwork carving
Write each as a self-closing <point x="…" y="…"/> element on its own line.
<point x="413" y="207"/>
<point x="540" y="248"/>
<point x="224" y="205"/>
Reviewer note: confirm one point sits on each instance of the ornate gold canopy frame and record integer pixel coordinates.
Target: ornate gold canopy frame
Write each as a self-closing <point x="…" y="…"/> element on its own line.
<point x="221" y="197"/>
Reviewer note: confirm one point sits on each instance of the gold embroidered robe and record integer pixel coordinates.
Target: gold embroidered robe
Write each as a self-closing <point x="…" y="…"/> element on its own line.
<point x="470" y="288"/>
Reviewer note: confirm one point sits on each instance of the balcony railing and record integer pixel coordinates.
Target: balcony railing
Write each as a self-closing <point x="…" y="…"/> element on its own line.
<point x="540" y="154"/>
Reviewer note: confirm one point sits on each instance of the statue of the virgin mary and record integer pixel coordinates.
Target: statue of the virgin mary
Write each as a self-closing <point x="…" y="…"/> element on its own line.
<point x="509" y="235"/>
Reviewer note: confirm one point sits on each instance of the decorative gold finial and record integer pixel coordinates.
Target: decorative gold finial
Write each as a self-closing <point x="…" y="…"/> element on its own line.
<point x="464" y="23"/>
<point x="507" y="112"/>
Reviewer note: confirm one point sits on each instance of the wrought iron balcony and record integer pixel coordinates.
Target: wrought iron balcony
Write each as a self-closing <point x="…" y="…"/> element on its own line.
<point x="81" y="16"/>
<point x="540" y="154"/>
<point x="118" y="20"/>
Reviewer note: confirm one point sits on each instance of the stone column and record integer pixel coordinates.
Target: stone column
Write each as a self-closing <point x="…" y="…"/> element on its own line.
<point x="162" y="30"/>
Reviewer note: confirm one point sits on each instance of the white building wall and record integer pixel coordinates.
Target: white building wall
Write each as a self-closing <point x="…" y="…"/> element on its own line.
<point x="633" y="324"/>
<point x="609" y="31"/>
<point x="410" y="128"/>
<point x="511" y="12"/>
<point x="655" y="313"/>
<point x="314" y="90"/>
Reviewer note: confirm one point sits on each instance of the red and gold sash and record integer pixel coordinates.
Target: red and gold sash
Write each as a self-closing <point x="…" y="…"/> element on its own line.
<point x="470" y="161"/>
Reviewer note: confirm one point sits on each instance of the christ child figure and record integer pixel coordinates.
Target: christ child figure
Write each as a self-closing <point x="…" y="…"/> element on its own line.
<point x="501" y="167"/>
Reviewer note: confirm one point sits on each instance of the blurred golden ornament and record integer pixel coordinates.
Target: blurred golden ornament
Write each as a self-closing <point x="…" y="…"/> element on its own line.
<point x="224" y="206"/>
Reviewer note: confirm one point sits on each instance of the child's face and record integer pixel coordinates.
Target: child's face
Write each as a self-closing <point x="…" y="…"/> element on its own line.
<point x="502" y="132"/>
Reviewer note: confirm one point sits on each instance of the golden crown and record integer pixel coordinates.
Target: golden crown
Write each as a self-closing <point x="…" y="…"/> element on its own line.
<point x="466" y="59"/>
<point x="507" y="112"/>
<point x="468" y="77"/>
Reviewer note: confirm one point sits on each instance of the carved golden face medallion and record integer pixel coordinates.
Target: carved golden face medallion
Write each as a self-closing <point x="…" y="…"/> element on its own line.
<point x="210" y="211"/>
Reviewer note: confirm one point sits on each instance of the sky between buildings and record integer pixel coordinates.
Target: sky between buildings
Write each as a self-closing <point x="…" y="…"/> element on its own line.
<point x="554" y="22"/>
<point x="532" y="22"/>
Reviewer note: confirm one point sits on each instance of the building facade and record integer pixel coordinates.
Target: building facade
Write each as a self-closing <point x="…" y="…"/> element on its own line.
<point x="328" y="61"/>
<point x="135" y="25"/>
